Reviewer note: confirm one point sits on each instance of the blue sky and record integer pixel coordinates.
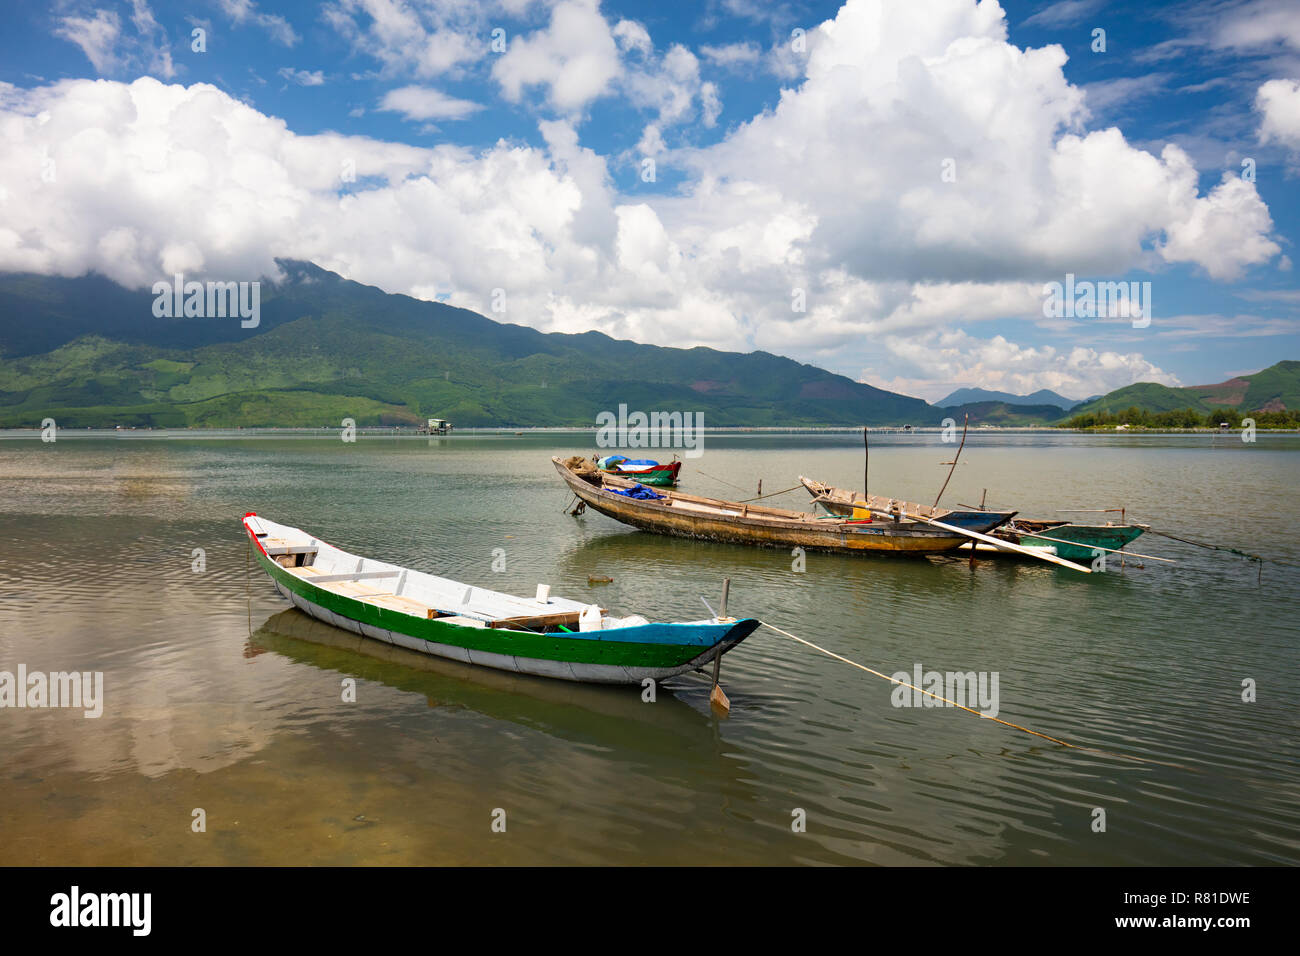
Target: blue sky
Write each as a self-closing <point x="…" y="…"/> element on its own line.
<point x="781" y="167"/>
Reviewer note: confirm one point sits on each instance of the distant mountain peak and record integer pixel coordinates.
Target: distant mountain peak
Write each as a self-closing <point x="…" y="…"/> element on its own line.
<point x="968" y="396"/>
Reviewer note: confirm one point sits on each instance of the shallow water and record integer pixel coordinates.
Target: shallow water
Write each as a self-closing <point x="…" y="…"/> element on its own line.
<point x="217" y="697"/>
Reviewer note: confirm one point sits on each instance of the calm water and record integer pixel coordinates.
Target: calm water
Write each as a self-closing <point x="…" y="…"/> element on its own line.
<point x="219" y="698"/>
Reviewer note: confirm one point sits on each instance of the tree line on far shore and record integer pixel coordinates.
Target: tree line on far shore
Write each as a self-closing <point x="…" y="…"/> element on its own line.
<point x="1184" y="418"/>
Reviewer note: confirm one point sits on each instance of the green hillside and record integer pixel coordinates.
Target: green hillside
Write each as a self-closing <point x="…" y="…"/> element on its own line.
<point x="1146" y="395"/>
<point x="1271" y="396"/>
<point x="89" y="353"/>
<point x="1275" y="388"/>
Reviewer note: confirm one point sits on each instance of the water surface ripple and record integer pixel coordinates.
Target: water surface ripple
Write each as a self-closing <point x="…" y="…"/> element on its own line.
<point x="219" y="697"/>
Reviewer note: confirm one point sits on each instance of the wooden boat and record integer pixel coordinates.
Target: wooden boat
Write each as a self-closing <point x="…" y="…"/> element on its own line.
<point x="853" y="504"/>
<point x="1074" y="542"/>
<point x="643" y="470"/>
<point x="553" y="637"/>
<point x="713" y="519"/>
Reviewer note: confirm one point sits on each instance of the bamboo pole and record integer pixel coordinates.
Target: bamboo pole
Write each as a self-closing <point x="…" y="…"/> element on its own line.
<point x="1050" y="558"/>
<point x="866" y="462"/>
<point x="954" y="461"/>
<point x="1097" y="547"/>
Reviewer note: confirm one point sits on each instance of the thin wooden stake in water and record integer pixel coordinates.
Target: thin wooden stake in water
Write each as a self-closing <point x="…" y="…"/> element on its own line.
<point x="866" y="462"/>
<point x="716" y="697"/>
<point x="954" y="461"/>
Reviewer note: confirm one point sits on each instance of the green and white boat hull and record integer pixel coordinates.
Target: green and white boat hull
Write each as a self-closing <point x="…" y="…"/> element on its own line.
<point x="618" y="651"/>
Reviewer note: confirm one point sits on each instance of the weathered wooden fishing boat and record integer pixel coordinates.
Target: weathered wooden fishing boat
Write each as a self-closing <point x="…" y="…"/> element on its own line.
<point x="644" y="470"/>
<point x="713" y="519"/>
<point x="1074" y="542"/>
<point x="552" y="637"/>
<point x="853" y="504"/>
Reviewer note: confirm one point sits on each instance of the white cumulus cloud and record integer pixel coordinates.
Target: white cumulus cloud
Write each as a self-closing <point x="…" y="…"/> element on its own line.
<point x="920" y="175"/>
<point x="1278" y="102"/>
<point x="946" y="361"/>
<point x="425" y="103"/>
<point x="575" y="58"/>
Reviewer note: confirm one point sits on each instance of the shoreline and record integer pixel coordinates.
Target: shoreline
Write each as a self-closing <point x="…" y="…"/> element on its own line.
<point x="389" y="431"/>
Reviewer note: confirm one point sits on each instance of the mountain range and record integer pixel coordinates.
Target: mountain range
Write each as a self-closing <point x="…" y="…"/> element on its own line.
<point x="88" y="352"/>
<point x="91" y="353"/>
<point x="1044" y="396"/>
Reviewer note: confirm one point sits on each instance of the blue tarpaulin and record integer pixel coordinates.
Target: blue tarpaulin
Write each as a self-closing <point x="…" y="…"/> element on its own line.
<point x="611" y="462"/>
<point x="640" y="492"/>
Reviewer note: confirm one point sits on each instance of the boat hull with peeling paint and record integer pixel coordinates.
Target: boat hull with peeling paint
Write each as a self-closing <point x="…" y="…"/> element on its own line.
<point x="712" y="519"/>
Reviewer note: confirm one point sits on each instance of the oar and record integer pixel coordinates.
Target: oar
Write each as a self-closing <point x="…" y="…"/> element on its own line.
<point x="1051" y="558"/>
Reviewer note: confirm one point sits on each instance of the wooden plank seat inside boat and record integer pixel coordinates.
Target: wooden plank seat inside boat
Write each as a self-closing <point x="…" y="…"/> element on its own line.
<point x="289" y="554"/>
<point x="274" y="546"/>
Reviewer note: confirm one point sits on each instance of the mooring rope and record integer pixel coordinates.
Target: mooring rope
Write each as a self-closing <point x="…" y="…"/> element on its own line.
<point x="1220" y="547"/>
<point x="1055" y="740"/>
<point x="784" y="491"/>
<point x="700" y="471"/>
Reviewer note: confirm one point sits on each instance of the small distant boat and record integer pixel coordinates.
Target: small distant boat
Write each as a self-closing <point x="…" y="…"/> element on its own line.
<point x="550" y="636"/>
<point x="738" y="522"/>
<point x="644" y="470"/>
<point x="1073" y="542"/>
<point x="852" y="504"/>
